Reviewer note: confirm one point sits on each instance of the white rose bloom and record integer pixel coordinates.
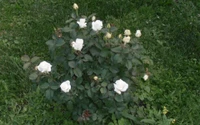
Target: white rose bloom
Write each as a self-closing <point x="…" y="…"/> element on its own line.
<point x="138" y="33"/>
<point x="82" y="23"/>
<point x="75" y="6"/>
<point x="65" y="86"/>
<point x="97" y="25"/>
<point x="78" y="45"/>
<point x="126" y="39"/>
<point x="145" y="77"/>
<point x="44" y="67"/>
<point x="120" y="86"/>
<point x="127" y="32"/>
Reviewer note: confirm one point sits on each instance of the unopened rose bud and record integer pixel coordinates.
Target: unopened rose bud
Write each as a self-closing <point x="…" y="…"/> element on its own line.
<point x="95" y="78"/>
<point x="127" y="32"/>
<point x="75" y="6"/>
<point x="93" y="18"/>
<point x="173" y="121"/>
<point x="120" y="36"/>
<point x="108" y="35"/>
<point x="138" y="33"/>
<point x="145" y="77"/>
<point x="108" y="26"/>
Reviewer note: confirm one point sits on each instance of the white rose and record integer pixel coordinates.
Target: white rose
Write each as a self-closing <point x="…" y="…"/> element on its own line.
<point x="82" y="23"/>
<point x="97" y="25"/>
<point x="75" y="6"/>
<point x="126" y="39"/>
<point x="127" y="32"/>
<point x="145" y="77"/>
<point x="108" y="35"/>
<point x="44" y="67"/>
<point x="138" y="33"/>
<point x="120" y="86"/>
<point x="65" y="86"/>
<point x="78" y="45"/>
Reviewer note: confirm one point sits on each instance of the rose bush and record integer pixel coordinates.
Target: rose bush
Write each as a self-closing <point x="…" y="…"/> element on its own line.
<point x="92" y="71"/>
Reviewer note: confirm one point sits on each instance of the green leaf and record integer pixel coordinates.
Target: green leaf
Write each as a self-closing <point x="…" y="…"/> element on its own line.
<point x="129" y="116"/>
<point x="60" y="42"/>
<point x="25" y="58"/>
<point x="54" y="87"/>
<point x="94" y="116"/>
<point x="50" y="43"/>
<point x="104" y="84"/>
<point x="149" y="121"/>
<point x="104" y="53"/>
<point x="26" y="65"/>
<point x="34" y="59"/>
<point x="49" y="94"/>
<point x="88" y="57"/>
<point x="114" y="69"/>
<point x="94" y="51"/>
<point x="66" y="29"/>
<point x="68" y="21"/>
<point x="117" y="58"/>
<point x="103" y="90"/>
<point x="89" y="93"/>
<point x="33" y="76"/>
<point x="129" y="64"/>
<point x="72" y="64"/>
<point x="77" y="72"/>
<point x="44" y="86"/>
<point x="117" y="49"/>
<point x="119" y="98"/>
<point x="113" y="29"/>
<point x="71" y="56"/>
<point x="70" y="105"/>
<point x="147" y="88"/>
<point x="80" y="87"/>
<point x="73" y="15"/>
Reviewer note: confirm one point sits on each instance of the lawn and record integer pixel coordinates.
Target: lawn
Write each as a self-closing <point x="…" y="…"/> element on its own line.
<point x="170" y="34"/>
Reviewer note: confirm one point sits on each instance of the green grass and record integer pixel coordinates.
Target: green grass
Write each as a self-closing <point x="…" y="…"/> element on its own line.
<point x="170" y="33"/>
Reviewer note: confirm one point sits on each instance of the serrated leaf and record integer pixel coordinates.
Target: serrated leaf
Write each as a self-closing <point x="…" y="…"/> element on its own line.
<point x="117" y="58"/>
<point x="70" y="105"/>
<point x="33" y="76"/>
<point x="68" y="21"/>
<point x="148" y="121"/>
<point x="77" y="72"/>
<point x="26" y="65"/>
<point x="129" y="65"/>
<point x="88" y="57"/>
<point x="113" y="29"/>
<point x="54" y="87"/>
<point x="60" y="42"/>
<point x="50" y="42"/>
<point x="49" y="94"/>
<point x="103" y="90"/>
<point x="25" y="58"/>
<point x="72" y="64"/>
<point x="94" y="116"/>
<point x="66" y="29"/>
<point x="34" y="59"/>
<point x="44" y="85"/>
<point x="104" y="84"/>
<point x="119" y="98"/>
<point x="117" y="49"/>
